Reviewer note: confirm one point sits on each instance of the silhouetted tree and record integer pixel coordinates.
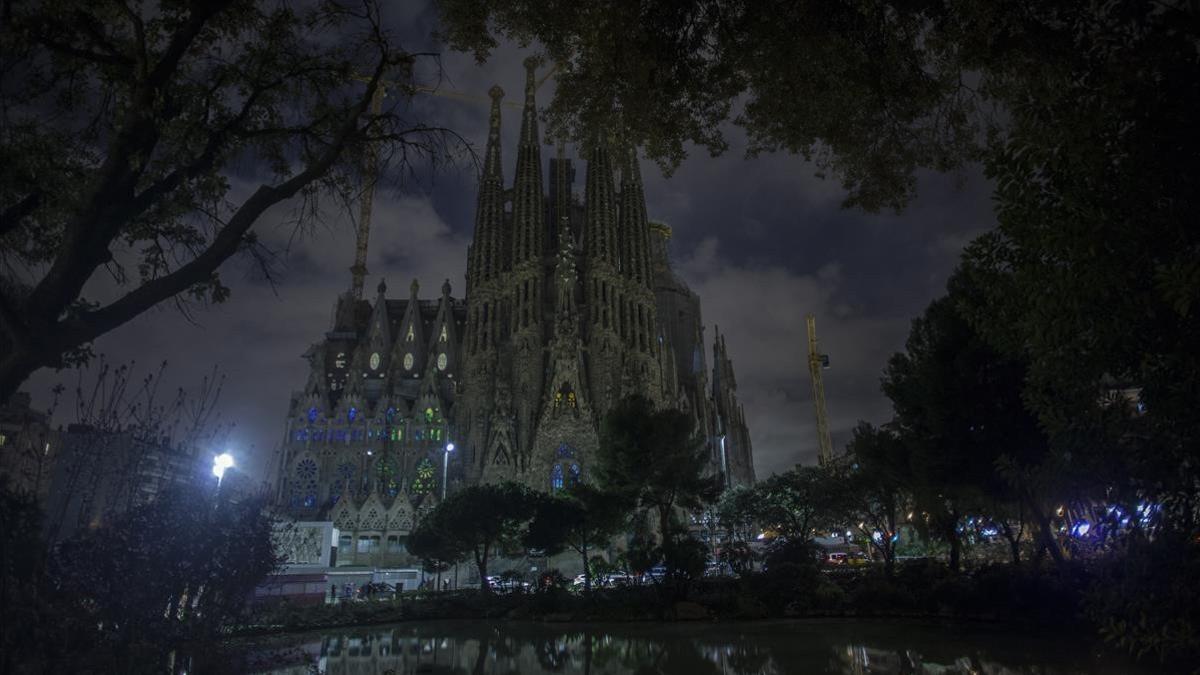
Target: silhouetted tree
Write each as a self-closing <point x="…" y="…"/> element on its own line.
<point x="128" y="130"/>
<point x="874" y="488"/>
<point x="581" y="518"/>
<point x="475" y="522"/>
<point x="654" y="459"/>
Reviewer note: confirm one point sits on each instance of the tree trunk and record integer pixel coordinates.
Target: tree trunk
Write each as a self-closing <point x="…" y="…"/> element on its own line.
<point x="587" y="571"/>
<point x="1014" y="542"/>
<point x="664" y="523"/>
<point x="1046" y="541"/>
<point x="955" y="541"/>
<point x="481" y="563"/>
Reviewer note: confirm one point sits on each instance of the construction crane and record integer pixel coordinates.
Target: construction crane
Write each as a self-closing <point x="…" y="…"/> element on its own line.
<point x="816" y="363"/>
<point x="358" y="270"/>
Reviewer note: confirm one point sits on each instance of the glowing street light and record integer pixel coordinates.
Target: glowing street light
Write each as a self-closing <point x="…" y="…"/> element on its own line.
<point x="221" y="462"/>
<point x="446" y="466"/>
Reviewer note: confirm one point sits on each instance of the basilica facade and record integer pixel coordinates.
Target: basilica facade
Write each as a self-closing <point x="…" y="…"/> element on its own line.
<point x="570" y="305"/>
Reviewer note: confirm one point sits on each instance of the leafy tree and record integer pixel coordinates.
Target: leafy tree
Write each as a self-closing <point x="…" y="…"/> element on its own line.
<point x="797" y="501"/>
<point x="738" y="512"/>
<point x="684" y="558"/>
<point x="652" y="458"/>
<point x="476" y="521"/>
<point x="581" y="518"/>
<point x="1091" y="276"/>
<point x="21" y="564"/>
<point x="143" y="142"/>
<point x="873" y="490"/>
<point x="959" y="408"/>
<point x="175" y="571"/>
<point x="437" y="553"/>
<point x="880" y="95"/>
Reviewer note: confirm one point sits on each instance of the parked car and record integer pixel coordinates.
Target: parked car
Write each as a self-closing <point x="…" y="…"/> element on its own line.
<point x="502" y="584"/>
<point x="716" y="568"/>
<point x="619" y="579"/>
<point x="654" y="575"/>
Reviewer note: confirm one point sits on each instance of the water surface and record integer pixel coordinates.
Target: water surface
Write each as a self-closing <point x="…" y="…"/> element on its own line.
<point x="758" y="648"/>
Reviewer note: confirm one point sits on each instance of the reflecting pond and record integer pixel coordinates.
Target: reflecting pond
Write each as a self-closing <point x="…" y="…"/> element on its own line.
<point x="759" y="648"/>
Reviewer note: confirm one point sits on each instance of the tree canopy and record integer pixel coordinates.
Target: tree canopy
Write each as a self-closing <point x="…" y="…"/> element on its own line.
<point x="654" y="459"/>
<point x="475" y="522"/>
<point x="143" y="143"/>
<point x="582" y="518"/>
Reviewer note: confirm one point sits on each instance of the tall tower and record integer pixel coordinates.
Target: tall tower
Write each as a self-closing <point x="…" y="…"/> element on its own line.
<point x="487" y="261"/>
<point x="637" y="315"/>
<point x="526" y="285"/>
<point x="602" y="285"/>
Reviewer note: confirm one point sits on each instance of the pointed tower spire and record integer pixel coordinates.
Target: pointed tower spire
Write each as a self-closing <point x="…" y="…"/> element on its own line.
<point x="600" y="240"/>
<point x="563" y="175"/>
<point x="635" y="230"/>
<point x="527" y="187"/>
<point x="488" y="254"/>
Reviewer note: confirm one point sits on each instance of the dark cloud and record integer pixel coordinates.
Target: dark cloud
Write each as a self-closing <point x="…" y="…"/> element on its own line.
<point x="762" y="241"/>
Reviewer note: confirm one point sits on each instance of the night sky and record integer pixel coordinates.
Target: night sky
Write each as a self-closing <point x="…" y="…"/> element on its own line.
<point x="762" y="241"/>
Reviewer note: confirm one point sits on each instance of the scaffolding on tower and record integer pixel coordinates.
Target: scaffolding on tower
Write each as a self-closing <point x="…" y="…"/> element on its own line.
<point x="816" y="363"/>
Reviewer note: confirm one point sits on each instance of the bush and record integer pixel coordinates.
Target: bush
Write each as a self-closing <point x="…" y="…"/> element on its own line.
<point x="1146" y="601"/>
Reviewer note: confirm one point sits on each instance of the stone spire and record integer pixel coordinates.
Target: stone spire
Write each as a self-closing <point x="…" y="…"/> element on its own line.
<point x="527" y="187"/>
<point x="600" y="225"/>
<point x="562" y="175"/>
<point x="635" y="230"/>
<point x="488" y="256"/>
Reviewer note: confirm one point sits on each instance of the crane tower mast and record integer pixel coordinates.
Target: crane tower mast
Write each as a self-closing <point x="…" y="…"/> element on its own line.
<point x="816" y="362"/>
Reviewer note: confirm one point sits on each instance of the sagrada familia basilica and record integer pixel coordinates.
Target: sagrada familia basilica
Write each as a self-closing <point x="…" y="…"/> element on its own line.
<point x="570" y="305"/>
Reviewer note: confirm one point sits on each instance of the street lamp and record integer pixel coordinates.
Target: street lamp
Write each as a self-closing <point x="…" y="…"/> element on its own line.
<point x="446" y="466"/>
<point x="221" y="462"/>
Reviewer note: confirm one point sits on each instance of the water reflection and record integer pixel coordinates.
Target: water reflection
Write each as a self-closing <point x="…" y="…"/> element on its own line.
<point x="853" y="648"/>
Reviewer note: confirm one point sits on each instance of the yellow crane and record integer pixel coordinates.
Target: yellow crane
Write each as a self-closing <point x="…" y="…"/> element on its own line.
<point x="358" y="270"/>
<point x="816" y="363"/>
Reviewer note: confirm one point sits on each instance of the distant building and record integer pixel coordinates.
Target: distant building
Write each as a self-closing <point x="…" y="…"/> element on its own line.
<point x="101" y="473"/>
<point x="26" y="446"/>
<point x="570" y="305"/>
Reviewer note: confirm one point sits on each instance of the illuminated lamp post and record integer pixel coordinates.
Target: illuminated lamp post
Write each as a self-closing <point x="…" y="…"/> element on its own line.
<point x="221" y="462"/>
<point x="446" y="466"/>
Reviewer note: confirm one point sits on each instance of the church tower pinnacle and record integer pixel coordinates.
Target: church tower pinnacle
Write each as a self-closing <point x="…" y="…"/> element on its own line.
<point x="488" y="255"/>
<point x="525" y="289"/>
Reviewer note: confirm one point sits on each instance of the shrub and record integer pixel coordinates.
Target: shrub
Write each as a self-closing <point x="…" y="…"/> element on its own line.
<point x="1146" y="601"/>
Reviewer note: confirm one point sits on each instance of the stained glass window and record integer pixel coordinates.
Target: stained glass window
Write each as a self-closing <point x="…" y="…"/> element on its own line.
<point x="305" y="491"/>
<point x="423" y="483"/>
<point x="345" y="476"/>
<point x="565" y="450"/>
<point x="574" y="473"/>
<point x="390" y="415"/>
<point x="312" y="415"/>
<point x="556" y="477"/>
<point x="352" y="415"/>
<point x="429" y="414"/>
<point x="386" y="471"/>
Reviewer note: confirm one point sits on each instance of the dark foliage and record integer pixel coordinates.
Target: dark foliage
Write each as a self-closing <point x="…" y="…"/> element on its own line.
<point x="167" y="576"/>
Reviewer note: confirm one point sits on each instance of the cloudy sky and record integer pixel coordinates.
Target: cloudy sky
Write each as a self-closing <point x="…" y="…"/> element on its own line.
<point x="762" y="241"/>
